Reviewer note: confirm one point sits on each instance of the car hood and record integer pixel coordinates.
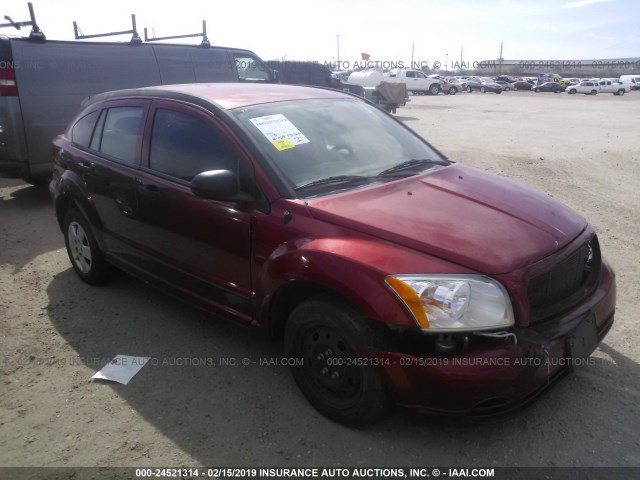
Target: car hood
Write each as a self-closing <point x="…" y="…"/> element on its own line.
<point x="464" y="215"/>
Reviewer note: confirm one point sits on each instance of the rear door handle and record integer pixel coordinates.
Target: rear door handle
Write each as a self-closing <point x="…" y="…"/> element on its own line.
<point x="87" y="165"/>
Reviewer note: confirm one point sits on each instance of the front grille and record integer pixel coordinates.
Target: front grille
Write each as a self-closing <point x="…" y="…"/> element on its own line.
<point x="566" y="283"/>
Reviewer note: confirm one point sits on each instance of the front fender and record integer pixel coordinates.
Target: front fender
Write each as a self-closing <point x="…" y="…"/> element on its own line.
<point x="354" y="268"/>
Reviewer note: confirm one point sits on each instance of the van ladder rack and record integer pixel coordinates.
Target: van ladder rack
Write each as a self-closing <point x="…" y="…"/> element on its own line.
<point x="205" y="40"/>
<point x="135" y="39"/>
<point x="36" y="33"/>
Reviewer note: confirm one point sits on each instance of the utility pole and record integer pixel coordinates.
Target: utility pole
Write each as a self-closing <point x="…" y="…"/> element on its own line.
<point x="461" y="63"/>
<point x="412" y="49"/>
<point x="500" y="59"/>
<point x="338" y="41"/>
<point x="446" y="63"/>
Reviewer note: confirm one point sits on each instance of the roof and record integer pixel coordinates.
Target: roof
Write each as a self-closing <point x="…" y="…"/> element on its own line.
<point x="228" y="95"/>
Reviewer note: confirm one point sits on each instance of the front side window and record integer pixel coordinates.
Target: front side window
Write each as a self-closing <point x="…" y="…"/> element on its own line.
<point x="83" y="128"/>
<point x="118" y="136"/>
<point x="183" y="146"/>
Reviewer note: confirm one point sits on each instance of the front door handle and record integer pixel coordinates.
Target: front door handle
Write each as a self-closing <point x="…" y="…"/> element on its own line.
<point x="150" y="190"/>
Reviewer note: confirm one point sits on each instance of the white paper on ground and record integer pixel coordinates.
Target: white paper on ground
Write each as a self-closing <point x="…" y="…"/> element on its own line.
<point x="122" y="368"/>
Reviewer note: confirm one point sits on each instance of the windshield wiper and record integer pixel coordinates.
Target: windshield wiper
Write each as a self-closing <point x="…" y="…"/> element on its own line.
<point x="410" y="164"/>
<point x="333" y="180"/>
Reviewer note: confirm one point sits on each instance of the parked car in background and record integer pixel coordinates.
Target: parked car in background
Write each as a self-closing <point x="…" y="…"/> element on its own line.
<point x="522" y="85"/>
<point x="483" y="85"/>
<point x="572" y="81"/>
<point x="507" y="78"/>
<point x="632" y="81"/>
<point x="416" y="81"/>
<point x="612" y="86"/>
<point x="549" y="87"/>
<point x="451" y="86"/>
<point x="588" y="88"/>
<point x="506" y="86"/>
<point x="301" y="72"/>
<point x="388" y="272"/>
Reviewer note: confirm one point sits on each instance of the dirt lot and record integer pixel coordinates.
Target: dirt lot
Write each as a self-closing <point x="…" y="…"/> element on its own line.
<point x="56" y="331"/>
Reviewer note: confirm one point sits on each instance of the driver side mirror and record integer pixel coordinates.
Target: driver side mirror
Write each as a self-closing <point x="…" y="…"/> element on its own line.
<point x="219" y="185"/>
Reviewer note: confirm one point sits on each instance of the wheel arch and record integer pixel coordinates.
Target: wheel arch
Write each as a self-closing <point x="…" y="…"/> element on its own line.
<point x="351" y="269"/>
<point x="71" y="194"/>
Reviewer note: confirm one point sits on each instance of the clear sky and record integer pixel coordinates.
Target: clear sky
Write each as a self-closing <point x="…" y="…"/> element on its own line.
<point x="386" y="29"/>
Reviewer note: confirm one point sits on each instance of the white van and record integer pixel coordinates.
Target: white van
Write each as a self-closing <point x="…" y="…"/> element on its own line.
<point x="42" y="83"/>
<point x="633" y="81"/>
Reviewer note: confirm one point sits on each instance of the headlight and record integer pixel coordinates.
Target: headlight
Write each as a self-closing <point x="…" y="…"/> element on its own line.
<point x="454" y="302"/>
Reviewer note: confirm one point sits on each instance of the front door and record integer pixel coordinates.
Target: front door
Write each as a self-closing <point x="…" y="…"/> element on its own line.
<point x="200" y="247"/>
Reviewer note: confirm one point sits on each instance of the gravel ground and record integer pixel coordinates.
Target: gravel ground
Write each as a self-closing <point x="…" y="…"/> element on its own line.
<point x="56" y="331"/>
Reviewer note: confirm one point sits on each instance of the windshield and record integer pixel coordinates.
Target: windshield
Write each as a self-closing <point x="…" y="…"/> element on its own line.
<point x="324" y="145"/>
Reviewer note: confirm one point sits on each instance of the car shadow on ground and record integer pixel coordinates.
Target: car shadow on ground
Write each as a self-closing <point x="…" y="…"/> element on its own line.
<point x="402" y="118"/>
<point x="30" y="208"/>
<point x="198" y="392"/>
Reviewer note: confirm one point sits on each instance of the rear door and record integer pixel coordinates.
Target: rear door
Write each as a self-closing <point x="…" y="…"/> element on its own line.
<point x="106" y="154"/>
<point x="199" y="247"/>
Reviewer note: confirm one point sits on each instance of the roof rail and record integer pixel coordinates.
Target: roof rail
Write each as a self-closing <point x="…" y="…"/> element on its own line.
<point x="36" y="33"/>
<point x="205" y="40"/>
<point x="135" y="39"/>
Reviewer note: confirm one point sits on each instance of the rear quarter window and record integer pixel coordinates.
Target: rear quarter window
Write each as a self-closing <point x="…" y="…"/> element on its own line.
<point x="83" y="128"/>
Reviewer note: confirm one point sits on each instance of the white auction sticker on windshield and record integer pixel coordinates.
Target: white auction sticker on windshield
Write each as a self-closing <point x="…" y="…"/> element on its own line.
<point x="279" y="131"/>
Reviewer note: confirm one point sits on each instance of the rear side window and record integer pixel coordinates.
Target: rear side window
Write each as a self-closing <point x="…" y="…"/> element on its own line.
<point x="183" y="146"/>
<point x="83" y="128"/>
<point x="118" y="136"/>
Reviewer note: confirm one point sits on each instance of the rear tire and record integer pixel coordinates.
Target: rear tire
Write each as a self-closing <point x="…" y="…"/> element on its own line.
<point x="620" y="92"/>
<point x="469" y="90"/>
<point x="453" y="91"/>
<point x="330" y="336"/>
<point x="483" y="90"/>
<point x="537" y="90"/>
<point x="594" y="92"/>
<point x="83" y="250"/>
<point x="572" y="92"/>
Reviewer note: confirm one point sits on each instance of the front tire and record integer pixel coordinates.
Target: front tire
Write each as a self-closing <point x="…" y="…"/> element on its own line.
<point x="453" y="91"/>
<point x="469" y="90"/>
<point x="83" y="250"/>
<point x="434" y="89"/>
<point x="330" y="336"/>
<point x="572" y="92"/>
<point x="483" y="90"/>
<point x="537" y="90"/>
<point x="620" y="92"/>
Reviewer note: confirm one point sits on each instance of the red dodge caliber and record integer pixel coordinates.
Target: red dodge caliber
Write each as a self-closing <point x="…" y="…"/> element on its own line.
<point x="391" y="273"/>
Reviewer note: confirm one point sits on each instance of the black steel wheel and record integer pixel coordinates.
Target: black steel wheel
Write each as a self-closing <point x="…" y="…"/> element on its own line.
<point x="328" y="337"/>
